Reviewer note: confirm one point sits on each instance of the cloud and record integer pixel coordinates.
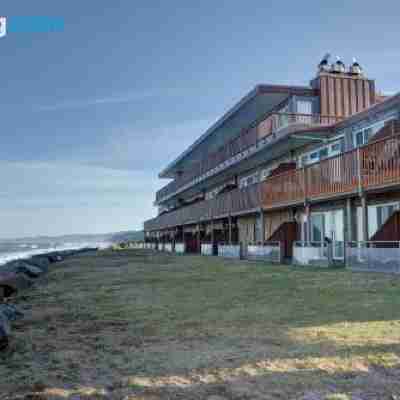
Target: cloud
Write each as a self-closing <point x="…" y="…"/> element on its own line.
<point x="53" y="198"/>
<point x="144" y="149"/>
<point x="117" y="99"/>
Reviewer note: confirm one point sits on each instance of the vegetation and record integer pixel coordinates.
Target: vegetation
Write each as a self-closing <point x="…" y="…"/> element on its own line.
<point x="140" y="325"/>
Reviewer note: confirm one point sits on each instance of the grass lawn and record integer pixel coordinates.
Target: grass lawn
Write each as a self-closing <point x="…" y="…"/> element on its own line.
<point x="141" y="325"/>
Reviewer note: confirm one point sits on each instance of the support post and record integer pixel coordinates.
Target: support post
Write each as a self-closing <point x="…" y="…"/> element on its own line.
<point x="308" y="225"/>
<point x="364" y="217"/>
<point x="262" y="226"/>
<point x="198" y="237"/>
<point x="230" y="229"/>
<point x="349" y="221"/>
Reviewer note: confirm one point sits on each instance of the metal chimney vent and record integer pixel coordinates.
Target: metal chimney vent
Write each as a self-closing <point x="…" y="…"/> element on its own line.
<point x="338" y="67"/>
<point x="355" y="68"/>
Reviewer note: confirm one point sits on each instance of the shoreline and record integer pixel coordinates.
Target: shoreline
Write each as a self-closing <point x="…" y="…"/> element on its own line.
<point x="19" y="275"/>
<point x="6" y="258"/>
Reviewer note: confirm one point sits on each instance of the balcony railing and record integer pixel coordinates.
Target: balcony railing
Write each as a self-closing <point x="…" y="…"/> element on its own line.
<point x="248" y="139"/>
<point x="372" y="166"/>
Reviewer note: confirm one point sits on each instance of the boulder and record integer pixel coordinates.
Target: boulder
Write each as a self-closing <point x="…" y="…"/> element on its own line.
<point x="41" y="262"/>
<point x="4" y="331"/>
<point x="21" y="266"/>
<point x="55" y="258"/>
<point x="11" y="283"/>
<point x="11" y="312"/>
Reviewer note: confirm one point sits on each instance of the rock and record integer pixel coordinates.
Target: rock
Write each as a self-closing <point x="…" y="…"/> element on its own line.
<point x="11" y="283"/>
<point x="215" y="397"/>
<point x="55" y="258"/>
<point x="4" y="331"/>
<point x="21" y="266"/>
<point x="11" y="312"/>
<point x="39" y="261"/>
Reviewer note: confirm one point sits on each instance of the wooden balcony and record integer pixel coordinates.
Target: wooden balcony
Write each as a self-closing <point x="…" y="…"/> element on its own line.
<point x="371" y="167"/>
<point x="247" y="139"/>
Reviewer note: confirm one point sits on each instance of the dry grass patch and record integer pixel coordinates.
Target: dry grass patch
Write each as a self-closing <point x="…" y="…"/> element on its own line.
<point x="141" y="325"/>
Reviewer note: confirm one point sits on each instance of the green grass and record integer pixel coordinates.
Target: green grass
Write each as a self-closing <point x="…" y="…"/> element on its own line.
<point x="143" y="325"/>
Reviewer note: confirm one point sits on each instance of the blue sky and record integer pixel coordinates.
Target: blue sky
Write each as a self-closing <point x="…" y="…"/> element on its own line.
<point x="91" y="114"/>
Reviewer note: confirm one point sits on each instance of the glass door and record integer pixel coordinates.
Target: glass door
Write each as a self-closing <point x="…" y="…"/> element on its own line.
<point x="334" y="230"/>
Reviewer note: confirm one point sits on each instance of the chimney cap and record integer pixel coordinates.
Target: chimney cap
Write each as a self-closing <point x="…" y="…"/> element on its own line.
<point x="324" y="63"/>
<point x="355" y="68"/>
<point x="338" y="66"/>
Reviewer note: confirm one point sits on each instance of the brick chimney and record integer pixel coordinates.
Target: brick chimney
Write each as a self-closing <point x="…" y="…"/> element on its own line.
<point x="343" y="93"/>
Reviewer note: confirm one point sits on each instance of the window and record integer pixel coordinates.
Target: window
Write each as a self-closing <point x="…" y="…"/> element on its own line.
<point x="323" y="152"/>
<point x="304" y="107"/>
<point x="362" y="137"/>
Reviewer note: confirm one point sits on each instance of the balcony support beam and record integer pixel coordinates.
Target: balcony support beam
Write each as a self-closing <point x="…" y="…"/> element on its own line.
<point x="308" y="223"/>
<point x="364" y="217"/>
<point x="212" y="231"/>
<point x="262" y="226"/>
<point x="349" y="229"/>
<point x="230" y="228"/>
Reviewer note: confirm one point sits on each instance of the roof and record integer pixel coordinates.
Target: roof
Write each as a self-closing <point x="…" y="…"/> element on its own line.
<point x="384" y="105"/>
<point x="263" y="98"/>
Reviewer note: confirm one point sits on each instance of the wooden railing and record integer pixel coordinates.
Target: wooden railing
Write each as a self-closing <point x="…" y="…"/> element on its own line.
<point x="241" y="143"/>
<point x="284" y="188"/>
<point x="380" y="162"/>
<point x="372" y="166"/>
<point x="334" y="175"/>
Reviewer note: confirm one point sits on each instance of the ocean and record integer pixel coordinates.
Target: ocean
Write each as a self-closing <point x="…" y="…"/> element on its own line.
<point x="18" y="250"/>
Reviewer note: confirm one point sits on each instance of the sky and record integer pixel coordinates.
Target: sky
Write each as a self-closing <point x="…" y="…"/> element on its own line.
<point x="91" y="114"/>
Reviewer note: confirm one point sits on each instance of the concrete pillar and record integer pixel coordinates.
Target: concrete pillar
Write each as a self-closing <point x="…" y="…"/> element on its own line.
<point x="364" y="217"/>
<point x="212" y="231"/>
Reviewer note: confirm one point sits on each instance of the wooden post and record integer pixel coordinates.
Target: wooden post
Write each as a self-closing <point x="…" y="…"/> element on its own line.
<point x="198" y="237"/>
<point x="349" y="221"/>
<point x="364" y="217"/>
<point x="230" y="229"/>
<point x="262" y="226"/>
<point x="308" y="217"/>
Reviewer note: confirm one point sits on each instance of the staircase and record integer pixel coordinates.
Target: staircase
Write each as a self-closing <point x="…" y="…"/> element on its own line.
<point x="390" y="230"/>
<point x="286" y="234"/>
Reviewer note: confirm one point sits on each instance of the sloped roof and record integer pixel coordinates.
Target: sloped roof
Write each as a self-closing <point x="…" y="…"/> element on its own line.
<point x="259" y="101"/>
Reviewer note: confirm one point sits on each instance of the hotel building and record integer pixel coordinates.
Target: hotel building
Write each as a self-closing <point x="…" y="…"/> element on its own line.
<point x="312" y="169"/>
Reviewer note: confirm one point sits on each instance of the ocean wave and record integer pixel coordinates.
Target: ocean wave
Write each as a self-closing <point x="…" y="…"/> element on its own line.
<point x="23" y="254"/>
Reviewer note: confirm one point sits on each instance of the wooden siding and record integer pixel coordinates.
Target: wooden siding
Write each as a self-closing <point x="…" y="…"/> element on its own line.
<point x="343" y="95"/>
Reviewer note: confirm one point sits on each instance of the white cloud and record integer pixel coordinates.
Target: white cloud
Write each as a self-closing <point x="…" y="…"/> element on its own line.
<point x="53" y="198"/>
<point x="136" y="148"/>
<point x="116" y="99"/>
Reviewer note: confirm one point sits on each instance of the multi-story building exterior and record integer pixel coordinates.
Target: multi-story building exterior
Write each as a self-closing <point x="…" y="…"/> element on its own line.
<point x="307" y="164"/>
